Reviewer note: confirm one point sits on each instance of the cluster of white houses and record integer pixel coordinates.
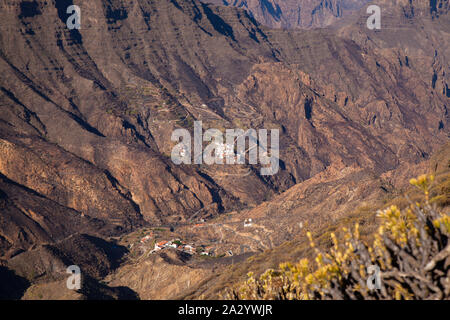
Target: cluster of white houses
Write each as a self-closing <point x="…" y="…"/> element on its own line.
<point x="175" y="244"/>
<point x="222" y="150"/>
<point x="179" y="245"/>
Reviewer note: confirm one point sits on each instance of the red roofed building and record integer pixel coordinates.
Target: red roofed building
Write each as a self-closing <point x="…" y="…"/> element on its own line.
<point x="160" y="245"/>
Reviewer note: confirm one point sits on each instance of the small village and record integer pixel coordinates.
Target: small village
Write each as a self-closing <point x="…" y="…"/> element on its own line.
<point x="156" y="240"/>
<point x="149" y="244"/>
<point x="179" y="245"/>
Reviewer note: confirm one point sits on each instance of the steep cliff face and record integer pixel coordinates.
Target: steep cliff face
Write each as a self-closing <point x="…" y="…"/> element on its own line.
<point x="86" y="115"/>
<point x="290" y="14"/>
<point x="296" y="13"/>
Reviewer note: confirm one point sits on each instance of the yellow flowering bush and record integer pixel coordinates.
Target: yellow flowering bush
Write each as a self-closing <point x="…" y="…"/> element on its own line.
<point x="411" y="252"/>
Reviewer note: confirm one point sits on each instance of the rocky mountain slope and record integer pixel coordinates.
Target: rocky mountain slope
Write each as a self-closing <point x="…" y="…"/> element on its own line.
<point x="296" y="13"/>
<point x="86" y="117"/>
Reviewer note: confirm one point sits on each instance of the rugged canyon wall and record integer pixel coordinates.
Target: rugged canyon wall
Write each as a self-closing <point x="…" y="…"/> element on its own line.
<point x="79" y="130"/>
<point x="86" y="115"/>
<point x="288" y="14"/>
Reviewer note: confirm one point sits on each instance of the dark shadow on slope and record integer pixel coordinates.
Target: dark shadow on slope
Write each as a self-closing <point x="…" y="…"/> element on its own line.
<point x="12" y="286"/>
<point x="114" y="14"/>
<point x="113" y="251"/>
<point x="218" y="23"/>
<point x="61" y="6"/>
<point x="29" y="9"/>
<point x="273" y="11"/>
<point x="92" y="289"/>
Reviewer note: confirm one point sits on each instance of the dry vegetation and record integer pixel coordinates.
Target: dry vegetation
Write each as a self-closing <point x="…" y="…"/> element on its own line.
<point x="411" y="250"/>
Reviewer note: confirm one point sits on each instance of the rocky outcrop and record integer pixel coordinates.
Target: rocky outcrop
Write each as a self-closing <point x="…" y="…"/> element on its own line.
<point x="288" y="14"/>
<point x="153" y="278"/>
